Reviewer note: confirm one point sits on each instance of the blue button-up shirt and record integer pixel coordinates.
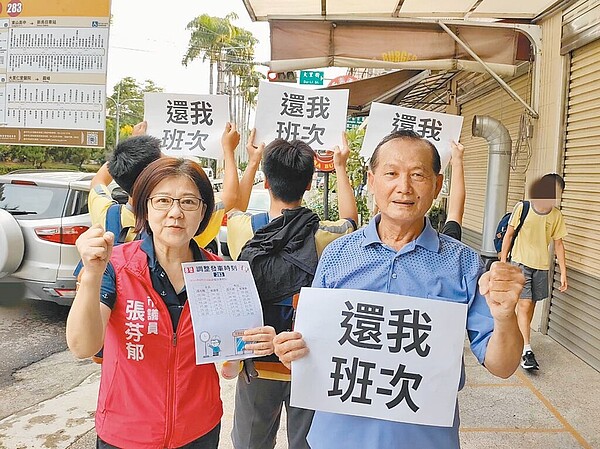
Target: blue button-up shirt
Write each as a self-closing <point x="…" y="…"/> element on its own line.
<point x="432" y="266"/>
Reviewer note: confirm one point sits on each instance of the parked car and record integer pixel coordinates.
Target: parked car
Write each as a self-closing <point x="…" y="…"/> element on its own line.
<point x="260" y="201"/>
<point x="42" y="213"/>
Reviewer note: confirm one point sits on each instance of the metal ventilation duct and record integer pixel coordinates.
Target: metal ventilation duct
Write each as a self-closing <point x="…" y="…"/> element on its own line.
<point x="498" y="171"/>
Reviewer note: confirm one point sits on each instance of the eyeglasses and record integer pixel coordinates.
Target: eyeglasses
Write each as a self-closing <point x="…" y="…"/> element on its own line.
<point x="163" y="202"/>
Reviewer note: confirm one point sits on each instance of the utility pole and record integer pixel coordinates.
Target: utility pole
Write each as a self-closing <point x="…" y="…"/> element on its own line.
<point x="118" y="107"/>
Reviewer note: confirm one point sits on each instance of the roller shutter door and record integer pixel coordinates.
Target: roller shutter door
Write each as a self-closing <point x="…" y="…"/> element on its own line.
<point x="574" y="317"/>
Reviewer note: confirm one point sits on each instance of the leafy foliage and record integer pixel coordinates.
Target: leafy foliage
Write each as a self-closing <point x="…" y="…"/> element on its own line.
<point x="230" y="50"/>
<point x="437" y="216"/>
<point x="23" y="156"/>
<point x="357" y="173"/>
<point x="126" y="99"/>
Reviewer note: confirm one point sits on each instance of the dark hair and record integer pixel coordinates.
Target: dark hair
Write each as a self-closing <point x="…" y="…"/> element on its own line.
<point x="288" y="167"/>
<point x="556" y="178"/>
<point x="408" y="135"/>
<point x="130" y="157"/>
<point x="545" y="187"/>
<point x="163" y="168"/>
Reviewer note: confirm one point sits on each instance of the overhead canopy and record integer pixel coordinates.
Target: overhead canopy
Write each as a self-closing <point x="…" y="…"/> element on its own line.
<point x="410" y="88"/>
<point x="383" y="88"/>
<point x="457" y="9"/>
<point x="305" y="44"/>
<point x="442" y="38"/>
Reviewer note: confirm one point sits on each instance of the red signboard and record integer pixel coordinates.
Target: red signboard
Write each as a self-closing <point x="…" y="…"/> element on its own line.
<point x="324" y="161"/>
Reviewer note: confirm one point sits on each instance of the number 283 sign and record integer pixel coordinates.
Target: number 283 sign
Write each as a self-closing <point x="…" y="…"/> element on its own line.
<point x="13" y="8"/>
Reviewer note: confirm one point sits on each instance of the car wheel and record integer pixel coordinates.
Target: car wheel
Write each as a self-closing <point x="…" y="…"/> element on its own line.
<point x="12" y="246"/>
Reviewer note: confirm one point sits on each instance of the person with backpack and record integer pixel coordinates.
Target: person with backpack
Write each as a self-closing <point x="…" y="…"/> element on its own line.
<point x="282" y="248"/>
<point x="542" y="224"/>
<point x="126" y="162"/>
<point x="124" y="165"/>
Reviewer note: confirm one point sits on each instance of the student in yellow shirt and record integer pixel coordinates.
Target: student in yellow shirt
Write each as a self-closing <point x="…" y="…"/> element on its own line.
<point x="543" y="224"/>
<point x="129" y="158"/>
<point x="263" y="386"/>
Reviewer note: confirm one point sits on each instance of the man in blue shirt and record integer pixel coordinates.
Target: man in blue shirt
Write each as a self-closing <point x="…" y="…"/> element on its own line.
<point x="399" y="252"/>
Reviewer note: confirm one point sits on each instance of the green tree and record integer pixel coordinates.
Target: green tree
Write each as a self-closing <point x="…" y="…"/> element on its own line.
<point x="8" y="153"/>
<point x="357" y="172"/>
<point x="127" y="100"/>
<point x="34" y="155"/>
<point x="75" y="156"/>
<point x="229" y="49"/>
<point x="209" y="37"/>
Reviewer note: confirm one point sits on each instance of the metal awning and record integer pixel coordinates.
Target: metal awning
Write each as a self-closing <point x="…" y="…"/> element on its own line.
<point x="396" y="44"/>
<point x="455" y="9"/>
<point x="494" y="48"/>
<point x="407" y="35"/>
<point x="410" y="88"/>
<point x="383" y="89"/>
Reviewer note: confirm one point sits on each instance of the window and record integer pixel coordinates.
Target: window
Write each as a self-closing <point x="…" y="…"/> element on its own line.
<point x="80" y="203"/>
<point x="28" y="202"/>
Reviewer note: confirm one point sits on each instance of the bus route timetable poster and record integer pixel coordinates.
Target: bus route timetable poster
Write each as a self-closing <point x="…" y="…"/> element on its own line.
<point x="53" y="57"/>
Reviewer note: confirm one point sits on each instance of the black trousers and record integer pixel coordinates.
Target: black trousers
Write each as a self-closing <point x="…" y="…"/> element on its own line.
<point x="208" y="441"/>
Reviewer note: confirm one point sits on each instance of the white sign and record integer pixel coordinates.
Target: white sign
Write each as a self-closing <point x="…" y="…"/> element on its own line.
<point x="317" y="117"/>
<point x="187" y="125"/>
<point x="53" y="61"/>
<point x="438" y="128"/>
<point x="223" y="302"/>
<point x="379" y="355"/>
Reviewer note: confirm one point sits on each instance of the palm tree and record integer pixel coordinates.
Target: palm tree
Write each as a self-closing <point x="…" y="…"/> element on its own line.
<point x="231" y="50"/>
<point x="210" y="36"/>
<point x="239" y="64"/>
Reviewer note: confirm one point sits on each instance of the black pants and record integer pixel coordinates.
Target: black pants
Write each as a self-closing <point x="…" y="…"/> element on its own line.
<point x="208" y="441"/>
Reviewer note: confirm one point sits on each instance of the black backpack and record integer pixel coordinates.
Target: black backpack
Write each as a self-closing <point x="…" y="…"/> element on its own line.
<point x="283" y="259"/>
<point x="503" y="226"/>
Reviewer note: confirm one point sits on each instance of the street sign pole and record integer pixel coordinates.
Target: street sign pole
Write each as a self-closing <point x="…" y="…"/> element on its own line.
<point x="326" y="196"/>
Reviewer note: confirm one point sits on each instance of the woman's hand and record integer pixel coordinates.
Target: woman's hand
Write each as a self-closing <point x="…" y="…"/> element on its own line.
<point x="95" y="247"/>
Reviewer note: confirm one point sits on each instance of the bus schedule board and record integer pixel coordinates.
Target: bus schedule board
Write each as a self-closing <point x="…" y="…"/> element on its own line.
<point x="53" y="59"/>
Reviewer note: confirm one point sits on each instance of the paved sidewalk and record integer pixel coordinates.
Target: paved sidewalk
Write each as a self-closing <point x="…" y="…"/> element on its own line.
<point x="557" y="407"/>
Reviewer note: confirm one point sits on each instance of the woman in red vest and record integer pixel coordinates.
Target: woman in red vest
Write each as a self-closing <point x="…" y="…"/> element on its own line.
<point x="132" y="300"/>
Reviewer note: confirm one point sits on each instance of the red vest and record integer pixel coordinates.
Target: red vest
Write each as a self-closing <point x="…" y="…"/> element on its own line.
<point x="152" y="393"/>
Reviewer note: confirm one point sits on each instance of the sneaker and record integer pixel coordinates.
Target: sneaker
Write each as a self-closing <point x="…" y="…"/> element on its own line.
<point x="528" y="361"/>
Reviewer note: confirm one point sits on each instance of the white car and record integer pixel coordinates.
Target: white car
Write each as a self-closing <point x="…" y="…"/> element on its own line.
<point x="260" y="201"/>
<point x="42" y="213"/>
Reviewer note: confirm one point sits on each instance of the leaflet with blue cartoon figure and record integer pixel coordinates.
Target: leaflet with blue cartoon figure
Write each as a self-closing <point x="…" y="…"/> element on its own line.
<point x="223" y="303"/>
